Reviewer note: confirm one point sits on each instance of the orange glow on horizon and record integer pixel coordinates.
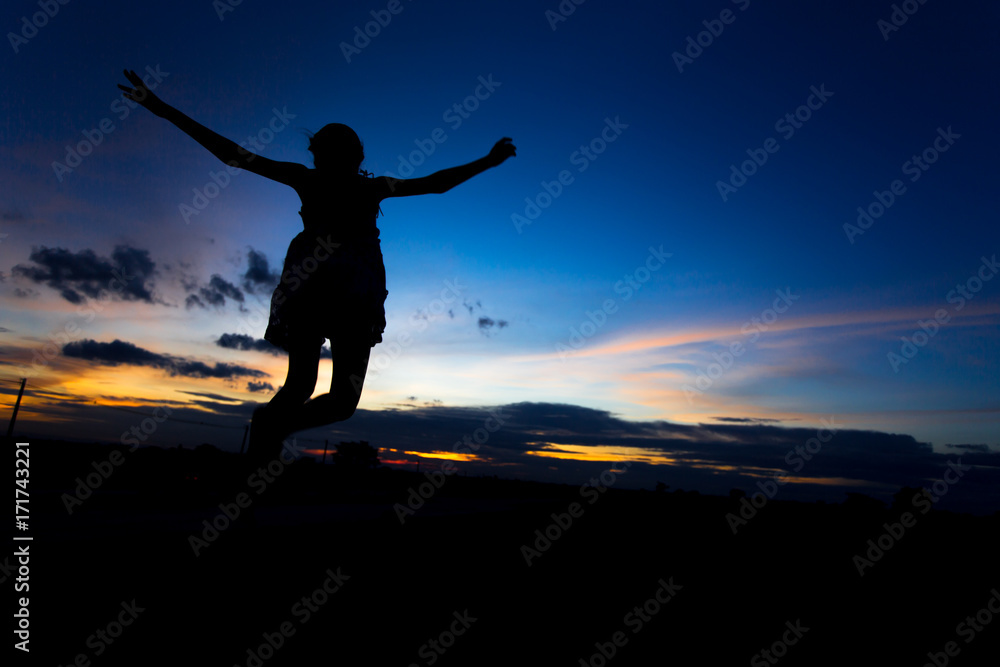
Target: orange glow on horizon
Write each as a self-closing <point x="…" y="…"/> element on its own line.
<point x="599" y="453"/>
<point x="449" y="456"/>
<point x="397" y="462"/>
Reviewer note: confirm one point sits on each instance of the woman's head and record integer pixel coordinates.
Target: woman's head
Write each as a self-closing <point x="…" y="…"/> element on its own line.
<point x="337" y="148"/>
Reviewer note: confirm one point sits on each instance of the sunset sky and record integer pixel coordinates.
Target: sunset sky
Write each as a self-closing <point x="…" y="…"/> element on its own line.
<point x="676" y="254"/>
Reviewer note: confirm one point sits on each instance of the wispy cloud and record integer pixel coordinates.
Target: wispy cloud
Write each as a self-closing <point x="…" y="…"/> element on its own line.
<point x="655" y="338"/>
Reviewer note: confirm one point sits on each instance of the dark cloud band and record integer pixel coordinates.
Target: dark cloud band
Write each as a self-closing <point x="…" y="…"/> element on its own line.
<point x="118" y="353"/>
<point x="127" y="275"/>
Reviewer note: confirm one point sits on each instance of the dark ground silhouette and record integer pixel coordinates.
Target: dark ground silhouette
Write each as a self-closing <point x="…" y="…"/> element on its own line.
<point x="661" y="572"/>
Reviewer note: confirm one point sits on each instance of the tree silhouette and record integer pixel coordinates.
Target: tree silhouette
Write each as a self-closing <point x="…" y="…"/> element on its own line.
<point x="356" y="456"/>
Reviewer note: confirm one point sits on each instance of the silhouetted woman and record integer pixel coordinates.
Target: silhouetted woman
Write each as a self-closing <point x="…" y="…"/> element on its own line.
<point x="333" y="279"/>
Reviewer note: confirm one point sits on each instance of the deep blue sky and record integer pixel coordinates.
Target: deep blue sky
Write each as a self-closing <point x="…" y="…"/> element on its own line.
<point x="655" y="185"/>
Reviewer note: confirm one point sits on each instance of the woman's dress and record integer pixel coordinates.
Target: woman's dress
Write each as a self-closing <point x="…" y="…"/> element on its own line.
<point x="333" y="278"/>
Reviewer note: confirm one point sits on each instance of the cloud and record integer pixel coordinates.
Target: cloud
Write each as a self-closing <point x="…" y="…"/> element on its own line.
<point x="259" y="386"/>
<point x="127" y="275"/>
<point x="214" y="397"/>
<point x="120" y="352"/>
<point x="486" y="325"/>
<point x="256" y="279"/>
<point x="556" y="442"/>
<point x="224" y="288"/>
<point x="571" y="444"/>
<point x="214" y="294"/>
<point x="259" y="277"/>
<point x="971" y="448"/>
<point x="244" y="342"/>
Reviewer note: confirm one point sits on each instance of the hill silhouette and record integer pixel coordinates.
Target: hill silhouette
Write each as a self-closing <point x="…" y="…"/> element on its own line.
<point x="351" y="563"/>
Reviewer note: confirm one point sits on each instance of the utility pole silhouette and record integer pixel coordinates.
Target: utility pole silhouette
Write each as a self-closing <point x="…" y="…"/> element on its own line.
<point x="17" y="406"/>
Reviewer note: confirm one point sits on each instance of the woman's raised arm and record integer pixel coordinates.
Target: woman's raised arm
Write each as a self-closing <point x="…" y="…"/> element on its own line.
<point x="446" y="179"/>
<point x="226" y="150"/>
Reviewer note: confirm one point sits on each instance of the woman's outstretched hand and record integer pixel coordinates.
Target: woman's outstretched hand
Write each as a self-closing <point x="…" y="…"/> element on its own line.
<point x="502" y="150"/>
<point x="141" y="94"/>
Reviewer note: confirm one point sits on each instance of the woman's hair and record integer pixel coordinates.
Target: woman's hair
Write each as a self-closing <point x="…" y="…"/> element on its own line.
<point x="337" y="147"/>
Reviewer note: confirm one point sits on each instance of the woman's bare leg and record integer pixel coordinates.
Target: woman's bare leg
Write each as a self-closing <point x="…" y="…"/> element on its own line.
<point x="350" y="363"/>
<point x="269" y="426"/>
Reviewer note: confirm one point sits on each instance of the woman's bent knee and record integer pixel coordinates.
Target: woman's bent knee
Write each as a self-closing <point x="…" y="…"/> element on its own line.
<point x="344" y="409"/>
<point x="329" y="409"/>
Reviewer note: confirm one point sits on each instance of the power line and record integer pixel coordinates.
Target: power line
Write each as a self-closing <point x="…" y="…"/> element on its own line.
<point x="33" y="381"/>
<point x="188" y="421"/>
<point x="173" y="419"/>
